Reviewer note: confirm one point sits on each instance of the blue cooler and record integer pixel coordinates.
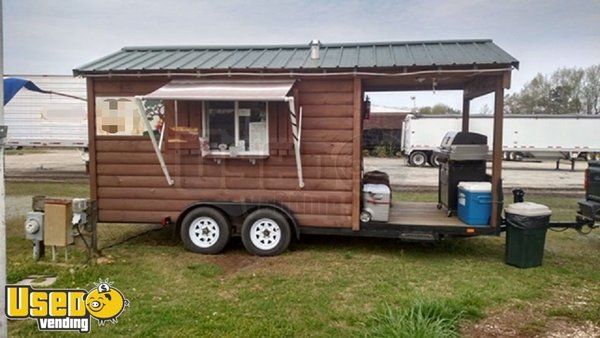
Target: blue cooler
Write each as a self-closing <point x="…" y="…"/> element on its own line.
<point x="475" y="203"/>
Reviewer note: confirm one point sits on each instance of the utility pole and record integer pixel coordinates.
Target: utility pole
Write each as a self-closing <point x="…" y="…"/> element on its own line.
<point x="3" y="320"/>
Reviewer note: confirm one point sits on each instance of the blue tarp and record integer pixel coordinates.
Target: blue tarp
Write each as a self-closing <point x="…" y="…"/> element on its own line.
<point x="13" y="85"/>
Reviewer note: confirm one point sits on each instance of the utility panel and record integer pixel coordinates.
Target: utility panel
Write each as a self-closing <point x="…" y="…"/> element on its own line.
<point x="57" y="230"/>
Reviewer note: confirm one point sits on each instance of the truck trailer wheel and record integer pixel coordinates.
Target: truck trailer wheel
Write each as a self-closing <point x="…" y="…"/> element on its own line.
<point x="515" y="156"/>
<point x="417" y="159"/>
<point x="266" y="232"/>
<point x="434" y="160"/>
<point x="205" y="230"/>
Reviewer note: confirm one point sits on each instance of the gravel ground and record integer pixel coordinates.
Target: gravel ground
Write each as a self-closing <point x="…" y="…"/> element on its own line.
<point x="63" y="164"/>
<point x="50" y="164"/>
<point x="538" y="175"/>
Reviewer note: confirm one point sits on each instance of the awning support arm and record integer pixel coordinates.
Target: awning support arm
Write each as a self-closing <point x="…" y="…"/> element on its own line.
<point x="296" y="133"/>
<point x="148" y="127"/>
<point x="162" y="136"/>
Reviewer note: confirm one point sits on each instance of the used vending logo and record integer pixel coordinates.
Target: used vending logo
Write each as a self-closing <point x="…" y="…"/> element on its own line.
<point x="65" y="309"/>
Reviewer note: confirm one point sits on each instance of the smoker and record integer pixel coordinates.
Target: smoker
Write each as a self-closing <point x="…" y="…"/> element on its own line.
<point x="462" y="157"/>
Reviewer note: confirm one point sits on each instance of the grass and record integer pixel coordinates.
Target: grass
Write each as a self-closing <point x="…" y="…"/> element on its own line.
<point x="47" y="189"/>
<point x="11" y="152"/>
<point x="424" y="319"/>
<point x="326" y="286"/>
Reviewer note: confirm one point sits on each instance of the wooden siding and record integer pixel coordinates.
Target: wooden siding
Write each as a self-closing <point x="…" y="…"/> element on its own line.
<point x="130" y="187"/>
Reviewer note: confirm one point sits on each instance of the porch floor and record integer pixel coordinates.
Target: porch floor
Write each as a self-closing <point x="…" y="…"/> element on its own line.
<point x="422" y="213"/>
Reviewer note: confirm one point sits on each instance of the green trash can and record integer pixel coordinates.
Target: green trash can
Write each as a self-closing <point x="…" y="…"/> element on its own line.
<point x="526" y="228"/>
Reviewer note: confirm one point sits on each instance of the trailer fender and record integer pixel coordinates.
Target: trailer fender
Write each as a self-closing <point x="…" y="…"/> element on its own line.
<point x="234" y="210"/>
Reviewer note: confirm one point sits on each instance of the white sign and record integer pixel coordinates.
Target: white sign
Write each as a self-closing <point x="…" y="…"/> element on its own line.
<point x="258" y="136"/>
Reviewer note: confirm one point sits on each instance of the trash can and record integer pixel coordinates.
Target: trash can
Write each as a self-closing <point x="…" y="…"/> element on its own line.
<point x="526" y="228"/>
<point x="475" y="203"/>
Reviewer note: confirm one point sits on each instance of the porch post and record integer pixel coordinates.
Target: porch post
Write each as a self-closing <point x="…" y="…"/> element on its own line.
<point x="466" y="107"/>
<point x="357" y="152"/>
<point x="497" y="153"/>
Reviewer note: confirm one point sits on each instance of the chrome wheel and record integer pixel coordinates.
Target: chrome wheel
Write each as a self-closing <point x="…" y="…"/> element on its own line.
<point x="204" y="232"/>
<point x="265" y="234"/>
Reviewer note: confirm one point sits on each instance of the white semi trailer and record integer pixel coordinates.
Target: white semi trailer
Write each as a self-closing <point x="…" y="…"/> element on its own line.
<point x="48" y="120"/>
<point x="525" y="136"/>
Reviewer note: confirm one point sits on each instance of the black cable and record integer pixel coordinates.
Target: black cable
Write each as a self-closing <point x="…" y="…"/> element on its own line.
<point x="87" y="246"/>
<point x="585" y="233"/>
<point x="132" y="237"/>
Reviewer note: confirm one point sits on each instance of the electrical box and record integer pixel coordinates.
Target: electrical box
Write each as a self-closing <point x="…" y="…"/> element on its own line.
<point x="58" y="214"/>
<point x="34" y="226"/>
<point x="80" y="211"/>
<point x="80" y="205"/>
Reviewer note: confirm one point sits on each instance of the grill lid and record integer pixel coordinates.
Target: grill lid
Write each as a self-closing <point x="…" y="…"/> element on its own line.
<point x="462" y="138"/>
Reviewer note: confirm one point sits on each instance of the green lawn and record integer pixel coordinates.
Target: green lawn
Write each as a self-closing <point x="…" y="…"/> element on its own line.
<point x="329" y="285"/>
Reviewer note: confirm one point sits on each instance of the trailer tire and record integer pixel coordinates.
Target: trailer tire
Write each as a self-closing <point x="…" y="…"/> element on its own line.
<point x="434" y="160"/>
<point x="592" y="156"/>
<point x="515" y="156"/>
<point x="266" y="232"/>
<point x="205" y="230"/>
<point x="417" y="159"/>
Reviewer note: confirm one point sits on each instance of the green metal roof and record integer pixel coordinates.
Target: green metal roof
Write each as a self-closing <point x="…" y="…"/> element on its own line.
<point x="297" y="57"/>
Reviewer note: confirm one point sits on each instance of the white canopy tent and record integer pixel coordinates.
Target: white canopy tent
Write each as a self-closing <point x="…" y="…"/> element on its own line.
<point x="226" y="90"/>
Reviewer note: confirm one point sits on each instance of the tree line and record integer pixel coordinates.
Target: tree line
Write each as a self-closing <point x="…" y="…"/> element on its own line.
<point x="565" y="91"/>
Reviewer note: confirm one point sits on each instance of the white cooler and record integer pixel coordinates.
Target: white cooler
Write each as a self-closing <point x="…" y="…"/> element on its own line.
<point x="376" y="203"/>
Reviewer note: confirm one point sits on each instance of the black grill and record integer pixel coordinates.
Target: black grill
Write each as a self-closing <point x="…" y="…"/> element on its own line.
<point x="462" y="159"/>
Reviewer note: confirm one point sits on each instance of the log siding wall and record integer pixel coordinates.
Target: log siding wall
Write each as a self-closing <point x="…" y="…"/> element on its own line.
<point x="129" y="186"/>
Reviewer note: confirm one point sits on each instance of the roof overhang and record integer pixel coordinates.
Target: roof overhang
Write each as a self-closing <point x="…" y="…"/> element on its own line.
<point x="224" y="90"/>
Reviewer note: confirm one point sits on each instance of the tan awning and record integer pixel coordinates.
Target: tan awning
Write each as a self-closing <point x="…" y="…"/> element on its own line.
<point x="223" y="90"/>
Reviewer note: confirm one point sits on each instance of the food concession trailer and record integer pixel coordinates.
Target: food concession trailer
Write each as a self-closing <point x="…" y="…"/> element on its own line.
<point x="265" y="141"/>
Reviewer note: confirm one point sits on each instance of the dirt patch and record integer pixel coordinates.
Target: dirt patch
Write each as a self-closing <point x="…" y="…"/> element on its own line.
<point x="234" y="262"/>
<point x="528" y="321"/>
<point x="562" y="328"/>
<point x="508" y="323"/>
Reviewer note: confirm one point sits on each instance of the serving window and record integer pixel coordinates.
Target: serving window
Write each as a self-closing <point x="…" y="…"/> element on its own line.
<point x="236" y="127"/>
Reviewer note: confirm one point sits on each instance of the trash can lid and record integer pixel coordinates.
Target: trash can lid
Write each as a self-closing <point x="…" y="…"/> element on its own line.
<point x="528" y="209"/>
<point x="376" y="188"/>
<point x="476" y="186"/>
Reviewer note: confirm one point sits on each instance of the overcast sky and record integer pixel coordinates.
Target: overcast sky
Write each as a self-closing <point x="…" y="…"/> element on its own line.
<point x="54" y="36"/>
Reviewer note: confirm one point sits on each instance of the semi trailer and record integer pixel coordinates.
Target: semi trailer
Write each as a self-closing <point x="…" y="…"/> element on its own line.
<point x="525" y="136"/>
<point x="37" y="119"/>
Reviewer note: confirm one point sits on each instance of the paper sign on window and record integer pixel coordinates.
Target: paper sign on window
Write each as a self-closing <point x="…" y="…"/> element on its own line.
<point x="258" y="136"/>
